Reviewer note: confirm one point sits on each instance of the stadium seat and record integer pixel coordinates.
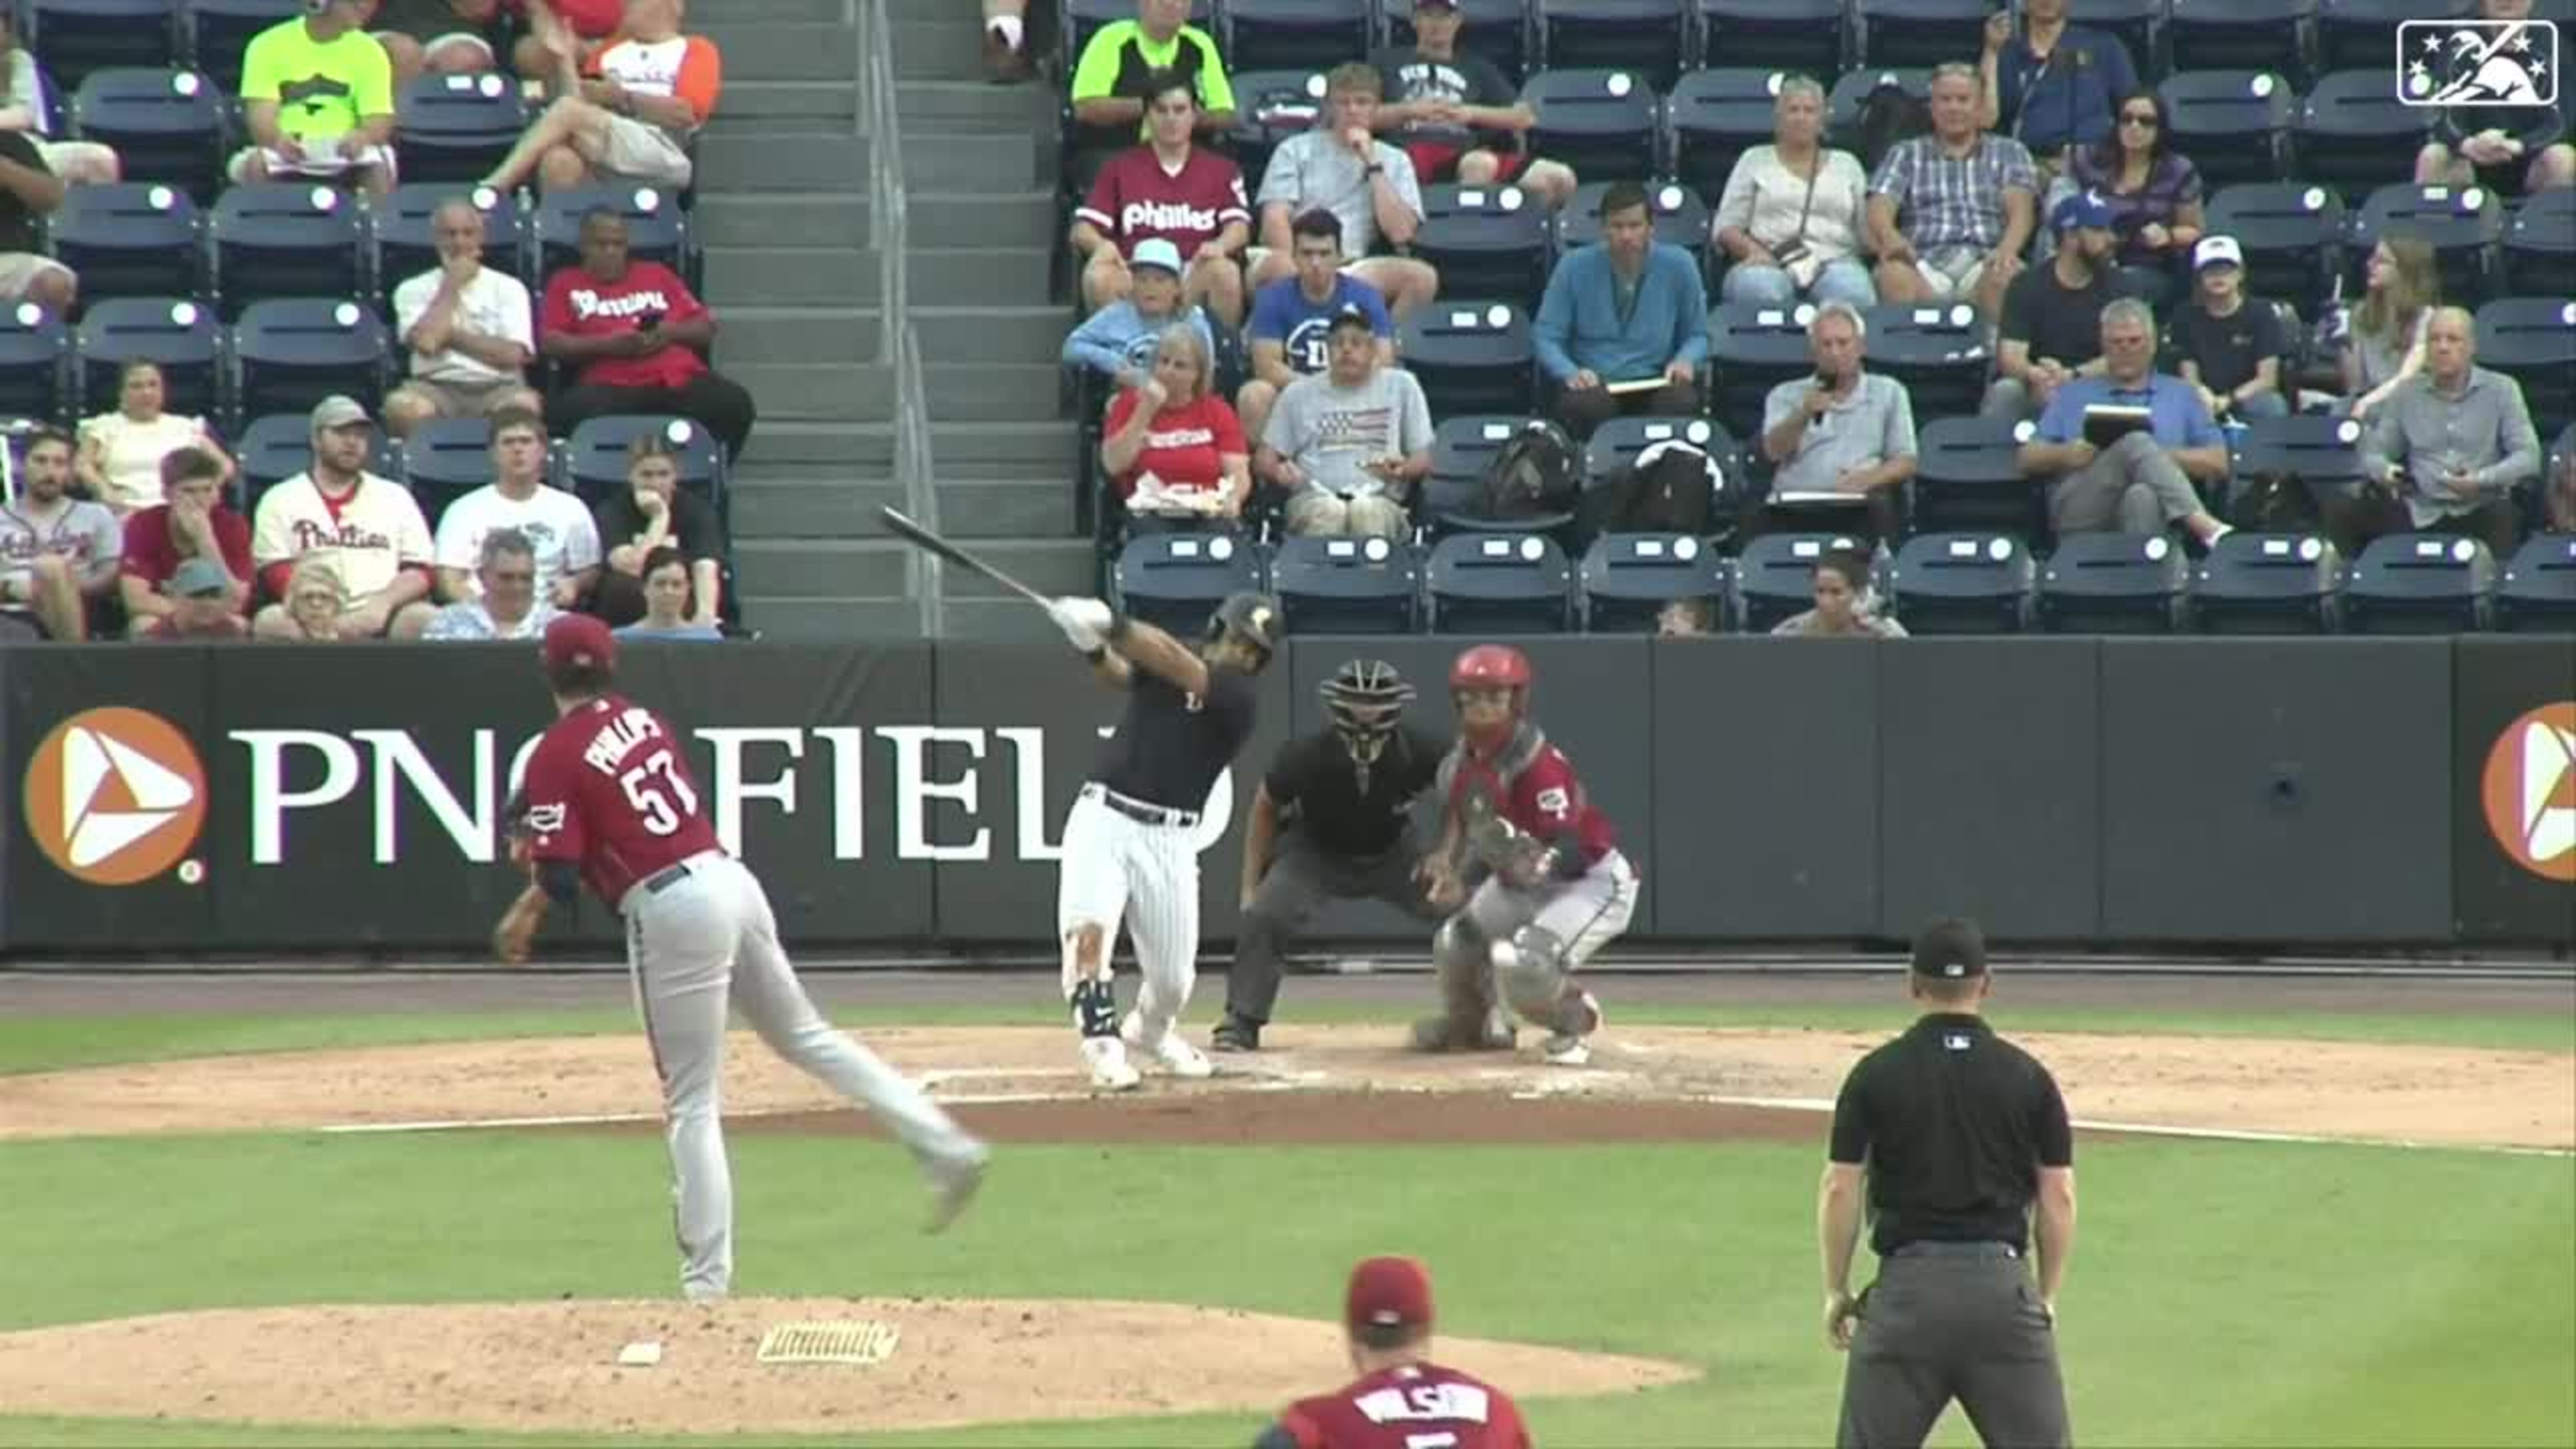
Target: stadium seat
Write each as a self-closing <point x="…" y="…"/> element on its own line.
<point x="2533" y="341"/>
<point x="656" y="230"/>
<point x="1462" y="449"/>
<point x="1968" y="477"/>
<point x="1753" y="350"/>
<point x="168" y="126"/>
<point x="1648" y="38"/>
<point x="1270" y="106"/>
<point x="1290" y="34"/>
<point x="2420" y="583"/>
<point x="2540" y="245"/>
<point x="1492" y="583"/>
<point x="177" y="334"/>
<point x="2354" y="134"/>
<point x="2362" y="34"/>
<point x="1849" y="95"/>
<point x="2537" y="594"/>
<point x="214" y="33"/>
<point x="279" y="446"/>
<point x="592" y="462"/>
<point x="2292" y="234"/>
<point x="1486" y="241"/>
<point x="453" y="129"/>
<point x="1715" y="116"/>
<point x="127" y="239"/>
<point x="76" y="37"/>
<point x="289" y="353"/>
<point x="1174" y="580"/>
<point x="2279" y="36"/>
<point x="1616" y="444"/>
<point x="286" y="239"/>
<point x="2112" y="583"/>
<point x="2267" y="583"/>
<point x="1347" y="585"/>
<point x="2233" y="124"/>
<point x="404" y="245"/>
<point x="1603" y="123"/>
<point x="1470" y="356"/>
<point x="1775" y="576"/>
<point x="1498" y="30"/>
<point x="1939" y="352"/>
<point x="1792" y="35"/>
<point x="2314" y="454"/>
<point x="2139" y="26"/>
<point x="1922" y="33"/>
<point x="1628" y="578"/>
<point x="1962" y="583"/>
<point x="2464" y="225"/>
<point x="444" y="459"/>
<point x="1681" y="219"/>
<point x="35" y="365"/>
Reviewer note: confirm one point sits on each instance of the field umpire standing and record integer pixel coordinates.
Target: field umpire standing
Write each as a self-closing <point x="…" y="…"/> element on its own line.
<point x="1332" y="820"/>
<point x="1966" y="1146"/>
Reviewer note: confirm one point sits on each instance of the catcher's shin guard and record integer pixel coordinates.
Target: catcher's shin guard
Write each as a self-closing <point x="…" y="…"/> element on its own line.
<point x="1531" y="968"/>
<point x="1459" y="961"/>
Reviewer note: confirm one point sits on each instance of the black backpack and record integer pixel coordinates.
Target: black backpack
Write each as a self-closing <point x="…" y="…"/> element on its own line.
<point x="1672" y="487"/>
<point x="1538" y="472"/>
<point x="1888" y="116"/>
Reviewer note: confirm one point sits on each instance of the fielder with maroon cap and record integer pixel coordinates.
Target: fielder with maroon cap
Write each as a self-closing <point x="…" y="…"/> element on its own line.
<point x="1401" y="1400"/>
<point x="609" y="800"/>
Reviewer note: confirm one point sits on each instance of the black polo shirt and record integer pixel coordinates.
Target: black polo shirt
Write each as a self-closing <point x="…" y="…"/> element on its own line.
<point x="2056" y="322"/>
<point x="1315" y="785"/>
<point x="1172" y="745"/>
<point x="1954" y="1123"/>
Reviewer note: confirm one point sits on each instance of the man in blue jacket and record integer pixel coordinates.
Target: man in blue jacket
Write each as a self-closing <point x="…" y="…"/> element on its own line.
<point x="1624" y="325"/>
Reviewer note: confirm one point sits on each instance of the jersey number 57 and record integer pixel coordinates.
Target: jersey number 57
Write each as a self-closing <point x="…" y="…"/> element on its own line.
<point x="652" y="800"/>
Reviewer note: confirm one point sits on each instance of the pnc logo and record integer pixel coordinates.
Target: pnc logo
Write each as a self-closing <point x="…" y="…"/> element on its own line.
<point x="115" y="796"/>
<point x="2530" y="792"/>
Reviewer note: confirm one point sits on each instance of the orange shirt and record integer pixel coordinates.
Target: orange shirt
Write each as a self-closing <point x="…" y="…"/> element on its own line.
<point x="685" y="66"/>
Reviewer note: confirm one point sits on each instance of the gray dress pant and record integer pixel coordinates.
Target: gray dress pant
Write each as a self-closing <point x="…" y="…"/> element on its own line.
<point x="1953" y="1321"/>
<point x="1302" y="877"/>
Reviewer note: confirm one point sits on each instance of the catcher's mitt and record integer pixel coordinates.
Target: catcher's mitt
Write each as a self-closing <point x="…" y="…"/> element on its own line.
<point x="1503" y="848"/>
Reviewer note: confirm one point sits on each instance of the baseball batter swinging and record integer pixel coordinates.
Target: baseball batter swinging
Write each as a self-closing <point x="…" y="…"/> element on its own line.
<point x="609" y="800"/>
<point x="1549" y="886"/>
<point x="1128" y="853"/>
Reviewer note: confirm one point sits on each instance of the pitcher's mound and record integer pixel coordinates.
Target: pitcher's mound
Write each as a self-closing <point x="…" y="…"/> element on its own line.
<point x="555" y="1366"/>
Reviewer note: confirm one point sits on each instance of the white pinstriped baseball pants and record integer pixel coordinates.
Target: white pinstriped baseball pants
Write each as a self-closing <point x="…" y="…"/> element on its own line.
<point x="1116" y="869"/>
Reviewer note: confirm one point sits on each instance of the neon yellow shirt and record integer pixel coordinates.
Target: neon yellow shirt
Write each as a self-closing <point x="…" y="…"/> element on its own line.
<point x="322" y="88"/>
<point x="1120" y="55"/>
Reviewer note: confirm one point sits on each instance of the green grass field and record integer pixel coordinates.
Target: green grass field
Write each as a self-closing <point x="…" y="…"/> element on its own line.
<point x="2222" y="1293"/>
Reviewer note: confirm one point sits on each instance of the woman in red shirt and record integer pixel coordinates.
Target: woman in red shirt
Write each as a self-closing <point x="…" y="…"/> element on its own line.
<point x="1174" y="448"/>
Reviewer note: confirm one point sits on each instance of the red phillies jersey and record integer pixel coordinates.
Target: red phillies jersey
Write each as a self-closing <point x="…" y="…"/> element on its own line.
<point x="580" y="305"/>
<point x="1417" y="1406"/>
<point x="609" y="790"/>
<point x="1530" y="783"/>
<point x="1135" y="198"/>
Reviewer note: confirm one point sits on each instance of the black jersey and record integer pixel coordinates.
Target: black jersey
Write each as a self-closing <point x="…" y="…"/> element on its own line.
<point x="1172" y="745"/>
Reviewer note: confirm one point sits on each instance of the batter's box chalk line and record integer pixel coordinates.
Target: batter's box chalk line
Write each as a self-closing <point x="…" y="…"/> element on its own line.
<point x="861" y="1341"/>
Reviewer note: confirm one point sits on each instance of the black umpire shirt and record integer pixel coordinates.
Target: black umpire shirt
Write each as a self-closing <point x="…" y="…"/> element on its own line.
<point x="1313" y="780"/>
<point x="1954" y="1123"/>
<point x="1172" y="745"/>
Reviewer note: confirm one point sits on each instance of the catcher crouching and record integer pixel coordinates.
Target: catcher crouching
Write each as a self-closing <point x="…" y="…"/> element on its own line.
<point x="1536" y="864"/>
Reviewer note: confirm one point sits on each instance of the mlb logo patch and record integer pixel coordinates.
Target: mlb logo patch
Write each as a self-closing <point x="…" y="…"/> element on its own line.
<point x="2477" y="62"/>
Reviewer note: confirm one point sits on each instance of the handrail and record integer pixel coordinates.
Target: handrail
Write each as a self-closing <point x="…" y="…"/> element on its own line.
<point x="898" y="346"/>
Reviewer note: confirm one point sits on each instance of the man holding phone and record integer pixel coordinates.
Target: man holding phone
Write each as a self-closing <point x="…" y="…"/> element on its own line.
<point x="1349" y="443"/>
<point x="633" y="336"/>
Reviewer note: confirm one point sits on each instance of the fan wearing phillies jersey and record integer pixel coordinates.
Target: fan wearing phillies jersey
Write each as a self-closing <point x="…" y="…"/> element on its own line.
<point x="1172" y="190"/>
<point x="609" y="801"/>
<point x="1401" y="1400"/>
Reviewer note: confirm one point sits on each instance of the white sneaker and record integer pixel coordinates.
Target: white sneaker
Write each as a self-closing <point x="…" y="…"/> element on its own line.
<point x="1110" y="1069"/>
<point x="1565" y="1051"/>
<point x="1174" y="1054"/>
<point x="953" y="1181"/>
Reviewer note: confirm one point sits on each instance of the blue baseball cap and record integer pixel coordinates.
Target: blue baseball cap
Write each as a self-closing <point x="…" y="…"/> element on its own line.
<point x="2083" y="210"/>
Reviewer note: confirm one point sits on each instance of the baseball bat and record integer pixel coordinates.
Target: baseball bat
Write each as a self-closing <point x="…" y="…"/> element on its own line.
<point x="920" y="537"/>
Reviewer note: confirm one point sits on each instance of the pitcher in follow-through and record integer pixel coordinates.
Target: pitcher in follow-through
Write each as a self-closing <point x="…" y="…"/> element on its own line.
<point x="1130" y="852"/>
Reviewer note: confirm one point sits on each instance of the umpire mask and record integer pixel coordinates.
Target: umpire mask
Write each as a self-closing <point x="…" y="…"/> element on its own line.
<point x="1365" y="698"/>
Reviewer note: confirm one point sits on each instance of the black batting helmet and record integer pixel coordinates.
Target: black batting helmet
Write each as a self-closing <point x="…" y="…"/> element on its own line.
<point x="1253" y="618"/>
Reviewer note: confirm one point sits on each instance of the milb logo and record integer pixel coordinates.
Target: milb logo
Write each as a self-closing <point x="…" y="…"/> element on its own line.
<point x="116" y="796"/>
<point x="2529" y="791"/>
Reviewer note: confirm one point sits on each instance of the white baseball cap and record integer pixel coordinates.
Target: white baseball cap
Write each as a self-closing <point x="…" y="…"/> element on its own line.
<point x="1156" y="252"/>
<point x="2217" y="251"/>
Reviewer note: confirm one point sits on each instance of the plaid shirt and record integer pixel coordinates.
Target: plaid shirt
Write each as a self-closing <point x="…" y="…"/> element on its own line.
<point x="1945" y="201"/>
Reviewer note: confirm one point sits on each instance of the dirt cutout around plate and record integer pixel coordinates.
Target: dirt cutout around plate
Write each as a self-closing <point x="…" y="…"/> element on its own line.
<point x="553" y="1367"/>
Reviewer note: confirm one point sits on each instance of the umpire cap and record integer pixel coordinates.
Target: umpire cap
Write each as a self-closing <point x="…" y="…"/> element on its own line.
<point x="1950" y="948"/>
<point x="1251" y="617"/>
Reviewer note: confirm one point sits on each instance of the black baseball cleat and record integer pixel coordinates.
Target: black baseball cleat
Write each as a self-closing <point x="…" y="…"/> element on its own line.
<point x="1234" y="1034"/>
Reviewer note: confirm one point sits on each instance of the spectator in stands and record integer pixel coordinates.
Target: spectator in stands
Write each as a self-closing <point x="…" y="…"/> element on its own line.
<point x="668" y="614"/>
<point x="124" y="454"/>
<point x="2401" y="287"/>
<point x="2053" y="86"/>
<point x="552" y="523"/>
<point x="368" y="528"/>
<point x="1167" y="190"/>
<point x="1949" y="213"/>
<point x="2558" y="504"/>
<point x="627" y="113"/>
<point x="315" y="606"/>
<point x="2153" y="193"/>
<point x="654" y="512"/>
<point x="1173" y="448"/>
<point x="318" y="100"/>
<point x="58" y="554"/>
<point x="593" y="24"/>
<point x="1006" y="41"/>
<point x="29" y="189"/>
<point x="470" y="331"/>
<point x="1368" y="185"/>
<point x="23" y="108"/>
<point x="2509" y="150"/>
<point x="2051" y="329"/>
<point x="632" y="334"/>
<point x="1109" y="80"/>
<point x="1846" y="431"/>
<point x="193" y="529"/>
<point x="1845" y="605"/>
<point x="1686" y="619"/>
<point x="2144" y="480"/>
<point x="1623" y="327"/>
<point x="202" y="607"/>
<point x="1794" y="212"/>
<point x="505" y="603"/>
<point x="1349" y="443"/>
<point x="1292" y="317"/>
<point x="1117" y="342"/>
<point x="2227" y="344"/>
<point x="2445" y="454"/>
<point x="445" y="37"/>
<point x="1456" y="115"/>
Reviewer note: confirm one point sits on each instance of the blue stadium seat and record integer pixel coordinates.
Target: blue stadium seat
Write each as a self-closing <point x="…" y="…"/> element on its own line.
<point x="592" y="462"/>
<point x="214" y="33"/>
<point x="1775" y="576"/>
<point x="1713" y="117"/>
<point x="1648" y="38"/>
<point x="2140" y="27"/>
<point x="1462" y="449"/>
<point x="2354" y="134"/>
<point x="1603" y="123"/>
<point x="1498" y="30"/>
<point x="178" y="334"/>
<point x="404" y="245"/>
<point x="1486" y="241"/>
<point x="289" y="353"/>
<point x="35" y="365"/>
<point x="1270" y="106"/>
<point x="2538" y="591"/>
<point x="2464" y="225"/>
<point x="656" y="229"/>
<point x="444" y="459"/>
<point x="2292" y="233"/>
<point x="168" y="126"/>
<point x="1174" y="580"/>
<point x="2112" y="583"/>
<point x="1917" y="32"/>
<point x="1616" y="444"/>
<point x="1962" y="583"/>
<point x="2540" y="245"/>
<point x="76" y="37"/>
<point x="2233" y="124"/>
<point x="1347" y="585"/>
<point x="275" y="448"/>
<point x="1753" y="350"/>
<point x="453" y="129"/>
<point x="1848" y="95"/>
<point x="1795" y="35"/>
<point x="286" y="239"/>
<point x="1290" y="34"/>
<point x="2420" y="583"/>
<point x="2533" y="341"/>
<point x="2267" y="583"/>
<point x="1628" y="578"/>
<point x="2315" y="454"/>
<point x="1470" y="356"/>
<point x="1680" y="217"/>
<point x="2279" y="36"/>
<point x="1939" y="352"/>
<point x="1968" y="477"/>
<point x="2362" y="34"/>
<point x="1493" y="583"/>
<point x="130" y="239"/>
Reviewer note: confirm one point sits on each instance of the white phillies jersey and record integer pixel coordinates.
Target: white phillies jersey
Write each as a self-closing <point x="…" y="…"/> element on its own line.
<point x="371" y="534"/>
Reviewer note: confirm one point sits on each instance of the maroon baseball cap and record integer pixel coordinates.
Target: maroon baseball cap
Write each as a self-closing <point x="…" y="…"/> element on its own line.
<point x="579" y="639"/>
<point x="1389" y="1293"/>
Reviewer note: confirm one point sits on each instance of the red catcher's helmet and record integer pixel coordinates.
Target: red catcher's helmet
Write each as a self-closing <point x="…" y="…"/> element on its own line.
<point x="1490" y="666"/>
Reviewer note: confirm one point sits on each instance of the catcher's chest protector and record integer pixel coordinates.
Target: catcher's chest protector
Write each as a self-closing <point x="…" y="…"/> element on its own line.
<point x="1489" y="782"/>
